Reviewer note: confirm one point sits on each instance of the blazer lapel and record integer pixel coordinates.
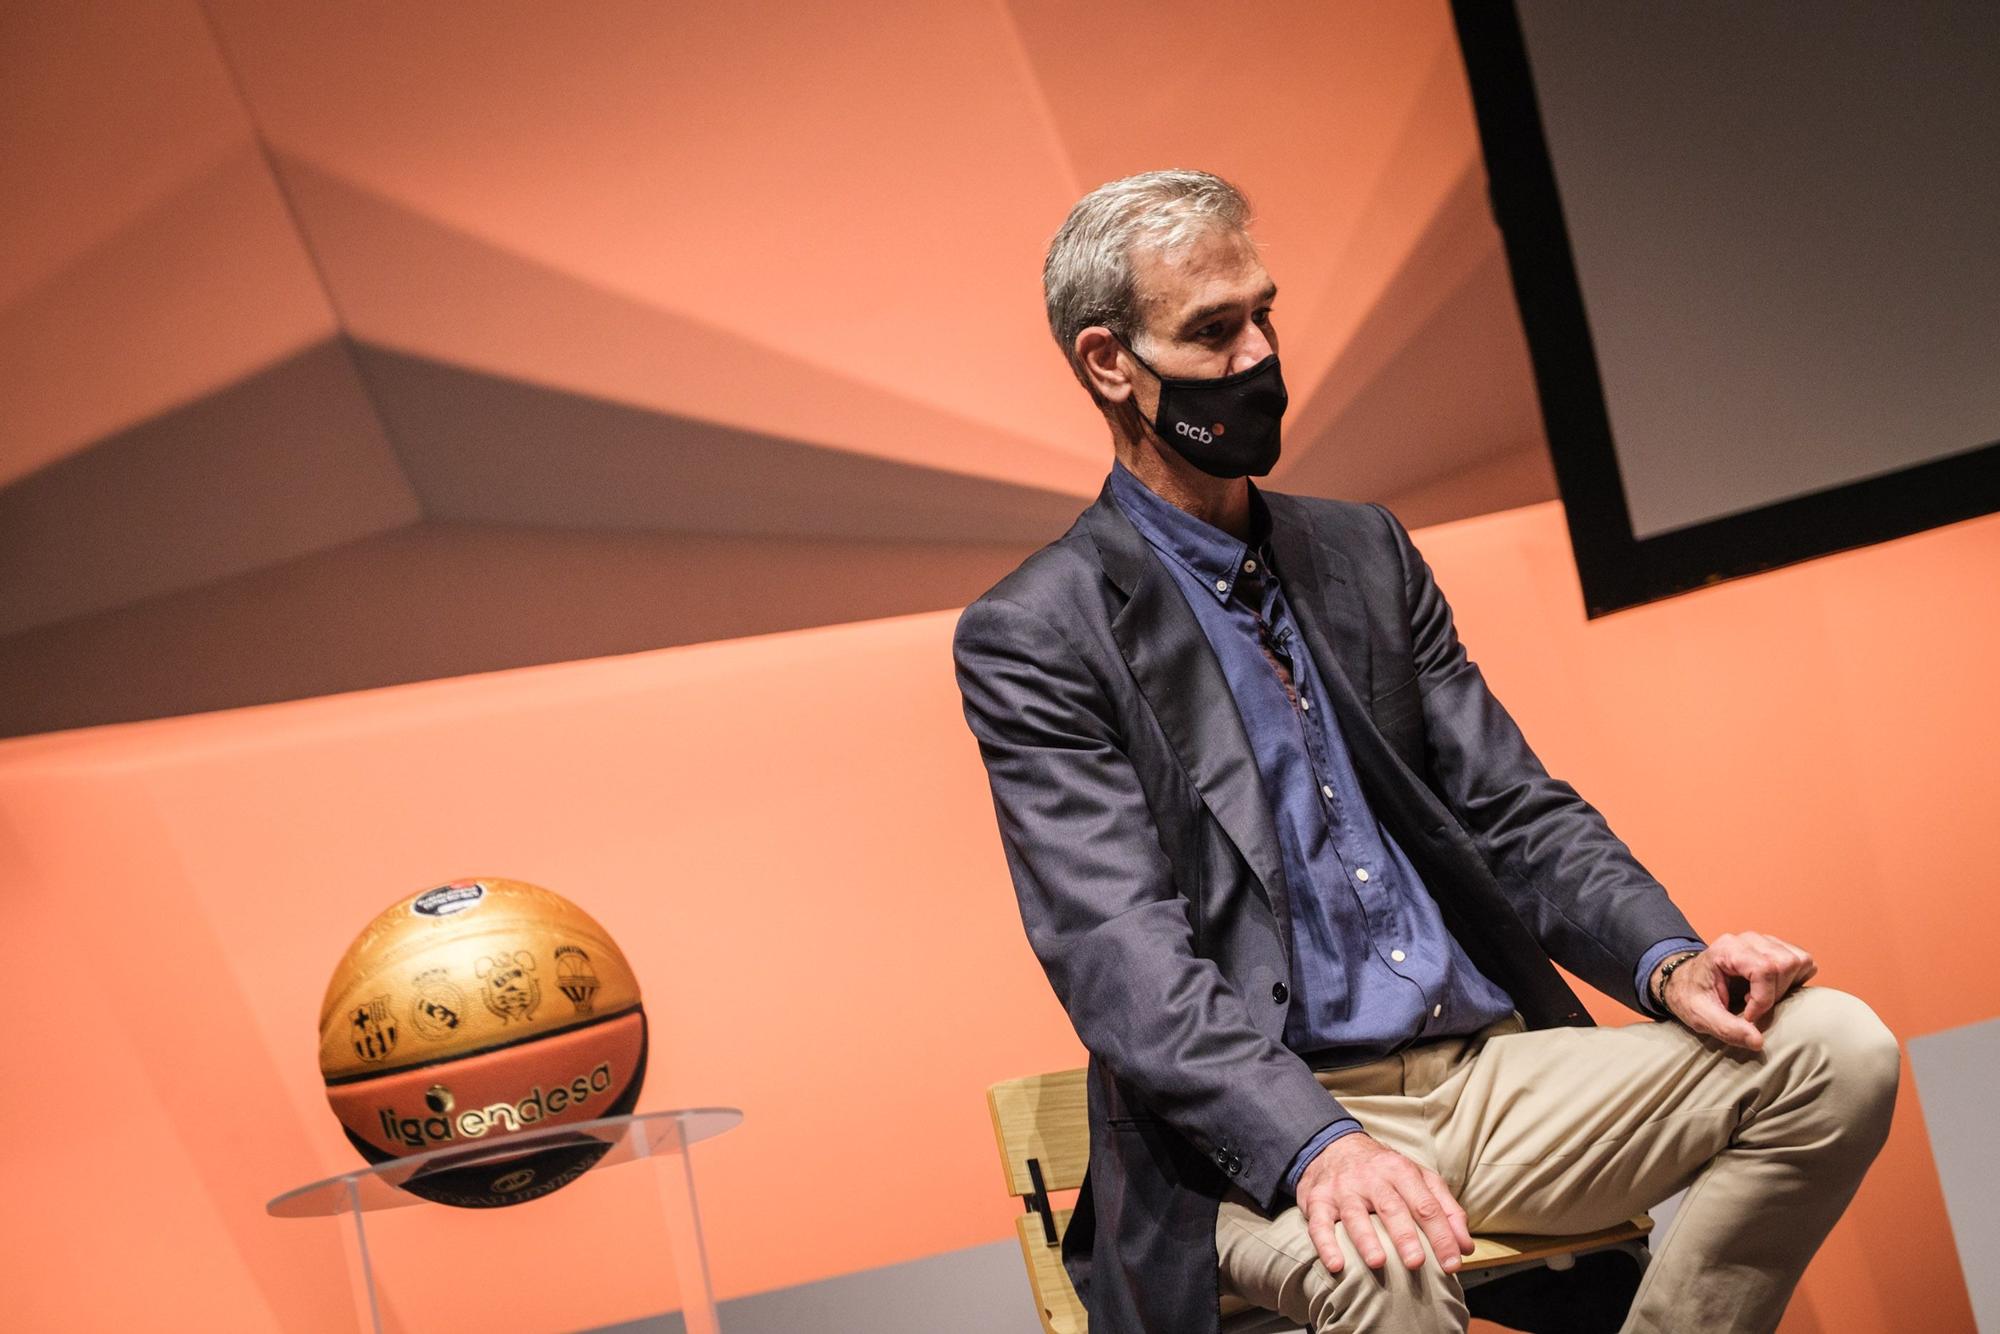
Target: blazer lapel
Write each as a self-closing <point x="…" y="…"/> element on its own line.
<point x="1318" y="583"/>
<point x="1181" y="678"/>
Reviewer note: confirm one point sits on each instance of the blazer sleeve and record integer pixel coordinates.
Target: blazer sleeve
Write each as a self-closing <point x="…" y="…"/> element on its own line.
<point x="1097" y="898"/>
<point x="1590" y="903"/>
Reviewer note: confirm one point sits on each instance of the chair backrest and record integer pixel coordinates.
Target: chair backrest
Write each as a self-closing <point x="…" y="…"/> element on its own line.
<point x="1041" y="1120"/>
<point x="1042" y="1126"/>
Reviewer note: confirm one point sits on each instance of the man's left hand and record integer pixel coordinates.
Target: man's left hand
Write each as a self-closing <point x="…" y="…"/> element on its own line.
<point x="1727" y="989"/>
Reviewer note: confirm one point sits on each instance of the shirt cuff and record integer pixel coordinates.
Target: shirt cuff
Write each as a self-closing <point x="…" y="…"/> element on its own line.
<point x="1651" y="960"/>
<point x="1303" y="1158"/>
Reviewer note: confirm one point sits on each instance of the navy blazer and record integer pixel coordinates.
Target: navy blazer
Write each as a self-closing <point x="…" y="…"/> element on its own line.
<point x="1148" y="872"/>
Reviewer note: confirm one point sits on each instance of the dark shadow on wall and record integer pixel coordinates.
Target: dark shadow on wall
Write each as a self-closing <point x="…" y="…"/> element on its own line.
<point x="438" y="600"/>
<point x="283" y="462"/>
<point x="485" y="448"/>
<point x="272" y="541"/>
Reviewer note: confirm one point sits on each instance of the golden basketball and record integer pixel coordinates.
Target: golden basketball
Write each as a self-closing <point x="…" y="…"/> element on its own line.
<point x="472" y="1012"/>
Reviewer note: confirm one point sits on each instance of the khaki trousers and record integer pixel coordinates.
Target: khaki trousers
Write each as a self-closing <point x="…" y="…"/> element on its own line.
<point x="1573" y="1129"/>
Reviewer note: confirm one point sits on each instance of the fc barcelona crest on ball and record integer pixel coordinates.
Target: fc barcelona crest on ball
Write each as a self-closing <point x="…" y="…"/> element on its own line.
<point x="373" y="1029"/>
<point x="512" y="990"/>
<point x="574" y="978"/>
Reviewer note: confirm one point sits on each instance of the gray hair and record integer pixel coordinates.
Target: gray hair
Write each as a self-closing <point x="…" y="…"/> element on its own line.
<point x="1087" y="277"/>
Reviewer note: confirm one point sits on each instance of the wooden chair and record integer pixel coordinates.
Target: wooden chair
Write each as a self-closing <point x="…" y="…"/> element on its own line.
<point x="1041" y="1125"/>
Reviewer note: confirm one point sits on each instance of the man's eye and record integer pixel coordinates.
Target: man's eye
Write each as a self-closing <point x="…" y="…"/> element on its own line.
<point x="1264" y="315"/>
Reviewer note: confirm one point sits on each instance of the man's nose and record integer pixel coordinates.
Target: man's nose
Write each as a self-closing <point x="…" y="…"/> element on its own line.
<point x="1251" y="349"/>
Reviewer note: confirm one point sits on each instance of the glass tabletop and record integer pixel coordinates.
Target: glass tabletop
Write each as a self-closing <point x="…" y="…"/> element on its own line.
<point x="586" y="1146"/>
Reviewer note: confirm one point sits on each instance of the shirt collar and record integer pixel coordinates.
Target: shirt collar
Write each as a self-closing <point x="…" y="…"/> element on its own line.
<point x="1205" y="551"/>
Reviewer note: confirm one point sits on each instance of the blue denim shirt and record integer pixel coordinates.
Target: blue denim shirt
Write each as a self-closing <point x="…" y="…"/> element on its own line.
<point x="1373" y="967"/>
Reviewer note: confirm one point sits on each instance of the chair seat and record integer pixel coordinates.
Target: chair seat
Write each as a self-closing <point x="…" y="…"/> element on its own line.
<point x="1511" y="1248"/>
<point x="1062" y="1313"/>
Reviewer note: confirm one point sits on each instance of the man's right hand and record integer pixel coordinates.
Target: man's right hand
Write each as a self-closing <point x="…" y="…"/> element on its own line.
<point x="1356" y="1176"/>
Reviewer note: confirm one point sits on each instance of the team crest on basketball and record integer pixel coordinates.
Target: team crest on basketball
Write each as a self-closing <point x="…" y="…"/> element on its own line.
<point x="373" y="1028"/>
<point x="574" y="977"/>
<point x="511" y="989"/>
<point x="438" y="1007"/>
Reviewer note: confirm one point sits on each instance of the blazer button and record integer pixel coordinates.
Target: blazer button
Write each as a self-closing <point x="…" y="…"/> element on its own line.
<point x="1280" y="993"/>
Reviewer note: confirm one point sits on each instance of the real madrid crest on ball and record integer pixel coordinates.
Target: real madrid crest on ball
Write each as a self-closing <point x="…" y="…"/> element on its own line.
<point x="474" y="1011"/>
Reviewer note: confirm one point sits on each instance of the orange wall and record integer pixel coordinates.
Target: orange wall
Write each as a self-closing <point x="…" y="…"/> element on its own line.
<point x="792" y="838"/>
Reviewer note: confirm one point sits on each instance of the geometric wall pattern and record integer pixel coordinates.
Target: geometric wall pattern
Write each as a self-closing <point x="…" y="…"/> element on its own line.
<point x="343" y="346"/>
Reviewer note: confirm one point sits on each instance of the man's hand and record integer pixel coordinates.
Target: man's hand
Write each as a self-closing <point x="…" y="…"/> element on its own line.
<point x="1727" y="989"/>
<point x="1354" y="1177"/>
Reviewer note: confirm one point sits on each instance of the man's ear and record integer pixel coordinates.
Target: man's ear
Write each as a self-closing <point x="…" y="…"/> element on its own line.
<point x="1109" y="373"/>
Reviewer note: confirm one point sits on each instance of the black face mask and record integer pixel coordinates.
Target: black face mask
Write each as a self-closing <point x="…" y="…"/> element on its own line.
<point x="1227" y="426"/>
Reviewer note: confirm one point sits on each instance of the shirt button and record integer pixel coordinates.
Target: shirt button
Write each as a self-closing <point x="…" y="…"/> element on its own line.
<point x="1222" y="585"/>
<point x="1305" y="704"/>
<point x="1249" y="567"/>
<point x="1280" y="993"/>
<point x="1326" y="790"/>
<point x="1361" y="874"/>
<point x="1397" y="955"/>
<point x="1436" y="1010"/>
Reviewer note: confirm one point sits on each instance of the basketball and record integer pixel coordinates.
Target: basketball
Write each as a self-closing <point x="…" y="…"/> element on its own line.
<point x="476" y="1011"/>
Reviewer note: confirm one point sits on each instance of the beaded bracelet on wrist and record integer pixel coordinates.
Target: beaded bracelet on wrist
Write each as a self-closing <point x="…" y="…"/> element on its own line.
<point x="1666" y="973"/>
